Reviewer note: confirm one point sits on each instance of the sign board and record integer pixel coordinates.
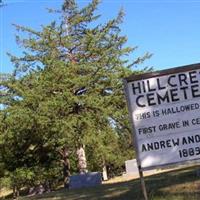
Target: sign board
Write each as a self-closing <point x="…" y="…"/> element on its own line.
<point x="164" y="108"/>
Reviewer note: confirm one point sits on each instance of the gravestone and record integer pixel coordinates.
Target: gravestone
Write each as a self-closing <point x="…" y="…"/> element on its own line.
<point x="104" y="174"/>
<point x="85" y="180"/>
<point x="131" y="167"/>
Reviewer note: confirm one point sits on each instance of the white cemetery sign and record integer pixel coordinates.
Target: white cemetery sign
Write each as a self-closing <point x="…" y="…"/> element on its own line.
<point x="165" y="112"/>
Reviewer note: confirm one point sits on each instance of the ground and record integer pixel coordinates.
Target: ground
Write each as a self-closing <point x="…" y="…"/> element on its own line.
<point x="180" y="184"/>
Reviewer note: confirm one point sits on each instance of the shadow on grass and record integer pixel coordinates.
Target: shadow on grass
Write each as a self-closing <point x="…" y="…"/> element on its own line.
<point x="175" y="185"/>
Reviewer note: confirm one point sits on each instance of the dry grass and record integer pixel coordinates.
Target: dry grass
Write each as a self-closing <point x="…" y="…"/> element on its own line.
<point x="4" y="192"/>
<point x="181" y="184"/>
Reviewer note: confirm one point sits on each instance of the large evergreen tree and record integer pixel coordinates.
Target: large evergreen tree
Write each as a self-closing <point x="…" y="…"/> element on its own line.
<point x="66" y="92"/>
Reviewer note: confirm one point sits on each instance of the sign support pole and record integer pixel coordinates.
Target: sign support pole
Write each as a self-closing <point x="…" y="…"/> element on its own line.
<point x="144" y="190"/>
<point x="136" y="145"/>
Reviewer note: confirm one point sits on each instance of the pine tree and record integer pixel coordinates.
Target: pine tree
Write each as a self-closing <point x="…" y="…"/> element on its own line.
<point x="66" y="92"/>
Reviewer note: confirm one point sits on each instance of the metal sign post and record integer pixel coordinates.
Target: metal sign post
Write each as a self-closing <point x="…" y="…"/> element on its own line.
<point x="144" y="190"/>
<point x="142" y="181"/>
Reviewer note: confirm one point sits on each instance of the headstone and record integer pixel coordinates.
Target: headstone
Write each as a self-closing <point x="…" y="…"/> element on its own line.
<point x="131" y="167"/>
<point x="105" y="176"/>
<point x="85" y="180"/>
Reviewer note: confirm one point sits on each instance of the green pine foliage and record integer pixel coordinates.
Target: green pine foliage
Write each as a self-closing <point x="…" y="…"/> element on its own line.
<point x="66" y="90"/>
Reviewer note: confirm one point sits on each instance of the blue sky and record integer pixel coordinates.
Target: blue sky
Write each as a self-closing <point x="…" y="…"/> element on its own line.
<point x="169" y="29"/>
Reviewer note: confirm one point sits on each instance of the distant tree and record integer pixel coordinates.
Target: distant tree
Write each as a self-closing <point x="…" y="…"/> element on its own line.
<point x="66" y="92"/>
<point x="1" y="3"/>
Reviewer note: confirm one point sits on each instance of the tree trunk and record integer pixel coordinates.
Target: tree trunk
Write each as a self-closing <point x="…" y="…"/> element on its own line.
<point x="15" y="192"/>
<point x="66" y="166"/>
<point x="82" y="162"/>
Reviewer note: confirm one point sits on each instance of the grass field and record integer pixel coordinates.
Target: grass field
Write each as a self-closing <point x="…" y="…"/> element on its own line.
<point x="181" y="184"/>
